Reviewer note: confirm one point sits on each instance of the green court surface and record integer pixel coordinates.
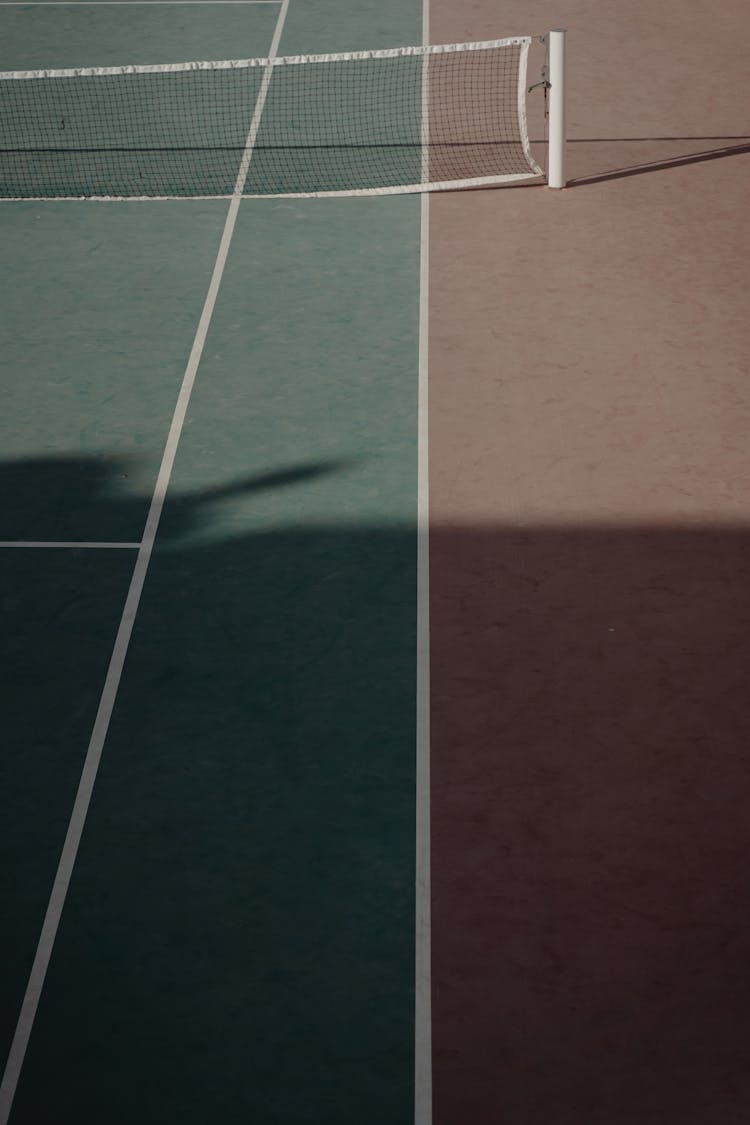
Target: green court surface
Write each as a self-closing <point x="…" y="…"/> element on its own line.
<point x="237" y="941"/>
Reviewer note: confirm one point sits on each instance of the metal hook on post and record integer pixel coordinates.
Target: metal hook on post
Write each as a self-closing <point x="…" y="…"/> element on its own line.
<point x="544" y="83"/>
<point x="544" y="80"/>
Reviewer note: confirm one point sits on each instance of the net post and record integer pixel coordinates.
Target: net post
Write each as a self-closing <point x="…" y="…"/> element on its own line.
<point x="556" y="153"/>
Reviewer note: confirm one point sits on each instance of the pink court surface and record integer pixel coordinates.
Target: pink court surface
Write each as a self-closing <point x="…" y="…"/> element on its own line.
<point x="590" y="564"/>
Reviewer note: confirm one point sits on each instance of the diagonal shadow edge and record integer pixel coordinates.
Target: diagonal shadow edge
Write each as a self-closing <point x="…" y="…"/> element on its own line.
<point x="661" y="165"/>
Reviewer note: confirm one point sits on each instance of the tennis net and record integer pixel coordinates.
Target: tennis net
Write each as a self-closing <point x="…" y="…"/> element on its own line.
<point x="364" y="123"/>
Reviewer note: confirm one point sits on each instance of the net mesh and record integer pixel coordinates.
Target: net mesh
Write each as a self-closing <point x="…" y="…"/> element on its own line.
<point x="366" y="123"/>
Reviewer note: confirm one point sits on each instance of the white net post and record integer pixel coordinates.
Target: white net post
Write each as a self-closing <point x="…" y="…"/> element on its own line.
<point x="556" y="125"/>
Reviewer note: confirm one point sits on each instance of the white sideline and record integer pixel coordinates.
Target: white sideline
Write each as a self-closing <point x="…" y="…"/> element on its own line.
<point x="423" y="895"/>
<point x="59" y="891"/>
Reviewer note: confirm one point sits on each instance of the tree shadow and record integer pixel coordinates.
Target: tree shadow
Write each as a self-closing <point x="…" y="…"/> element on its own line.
<point x="238" y="937"/>
<point x="78" y="499"/>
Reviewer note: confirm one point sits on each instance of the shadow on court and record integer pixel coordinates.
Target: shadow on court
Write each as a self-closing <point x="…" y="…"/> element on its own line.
<point x="591" y="785"/>
<point x="238" y="939"/>
<point x="598" y="160"/>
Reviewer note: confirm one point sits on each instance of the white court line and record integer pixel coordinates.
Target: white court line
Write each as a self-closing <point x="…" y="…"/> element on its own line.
<point x="423" y="896"/>
<point x="122" y="640"/>
<point x="69" y="543"/>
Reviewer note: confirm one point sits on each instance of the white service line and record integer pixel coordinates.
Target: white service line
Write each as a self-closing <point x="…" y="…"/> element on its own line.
<point x="78" y="815"/>
<point x="423" y="897"/>
<point x="70" y="544"/>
